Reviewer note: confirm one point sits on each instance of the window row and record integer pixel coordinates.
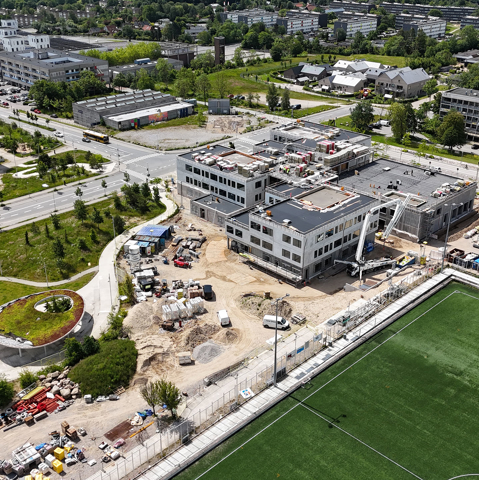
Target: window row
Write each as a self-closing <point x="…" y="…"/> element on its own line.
<point x="293" y="256"/>
<point x="215" y="190"/>
<point x="339" y="228"/>
<point x="215" y="177"/>
<point x="296" y="242"/>
<point x="238" y="233"/>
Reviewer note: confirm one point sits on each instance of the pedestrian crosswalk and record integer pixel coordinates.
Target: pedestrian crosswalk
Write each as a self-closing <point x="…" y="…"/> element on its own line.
<point x="138" y="159"/>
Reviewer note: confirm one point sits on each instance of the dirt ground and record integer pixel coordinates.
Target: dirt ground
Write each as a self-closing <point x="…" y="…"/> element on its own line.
<point x="190" y="135"/>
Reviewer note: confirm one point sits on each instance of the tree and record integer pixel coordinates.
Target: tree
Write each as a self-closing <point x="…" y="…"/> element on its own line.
<point x="451" y="131"/>
<point x="6" y="391"/>
<point x="272" y="97"/>
<point x="104" y="185"/>
<point x="285" y="104"/>
<point x="96" y="217"/>
<point x="221" y="84"/>
<point x="144" y="80"/>
<point x="58" y="249"/>
<point x="27" y="241"/>
<point x="79" y="192"/>
<point x="33" y="227"/>
<point x="11" y="145"/>
<point x="361" y="116"/>
<point x="80" y="210"/>
<point x="93" y="236"/>
<point x="73" y="351"/>
<point x="164" y="69"/>
<point x="55" y="221"/>
<point x="151" y="395"/>
<point x="90" y="346"/>
<point x="201" y="119"/>
<point x="340" y="35"/>
<point x="411" y="118"/>
<point x="47" y="231"/>
<point x="203" y="84"/>
<point x="27" y="378"/>
<point x="156" y="195"/>
<point x="169" y="395"/>
<point x="238" y="57"/>
<point x="430" y="87"/>
<point x="435" y="12"/>
<point x="82" y="244"/>
<point x="398" y="119"/>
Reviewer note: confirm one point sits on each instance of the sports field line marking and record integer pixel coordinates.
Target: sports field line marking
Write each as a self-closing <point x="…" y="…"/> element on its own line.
<point x="322" y="386"/>
<point x="363" y="443"/>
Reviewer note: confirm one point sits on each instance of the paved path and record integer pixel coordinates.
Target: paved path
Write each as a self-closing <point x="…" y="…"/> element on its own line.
<point x="49" y="284"/>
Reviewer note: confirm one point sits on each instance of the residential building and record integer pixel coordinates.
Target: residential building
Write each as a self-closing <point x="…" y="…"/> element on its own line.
<point x="345" y="83"/>
<point x="470" y="20"/>
<point x="25" y="68"/>
<point x="468" y="57"/>
<point x="401" y="18"/>
<point x="250" y="17"/>
<point x="14" y="43"/>
<point x="351" y="6"/>
<point x="130" y="110"/>
<point x="357" y="66"/>
<point x="38" y="41"/>
<point x="356" y="24"/>
<point x="300" y="237"/>
<point x="10" y="23"/>
<point x="321" y="18"/>
<point x="356" y="15"/>
<point x="300" y="22"/>
<point x="433" y="27"/>
<point x="308" y="72"/>
<point x="466" y="102"/>
<point x="402" y="82"/>
<point x="450" y="14"/>
<point x="193" y="29"/>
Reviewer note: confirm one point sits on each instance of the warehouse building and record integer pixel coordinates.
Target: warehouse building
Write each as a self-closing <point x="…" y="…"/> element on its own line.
<point x="130" y="110"/>
<point x="23" y="69"/>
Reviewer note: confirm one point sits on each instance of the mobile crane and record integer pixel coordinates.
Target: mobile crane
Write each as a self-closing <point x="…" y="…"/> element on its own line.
<point x="359" y="265"/>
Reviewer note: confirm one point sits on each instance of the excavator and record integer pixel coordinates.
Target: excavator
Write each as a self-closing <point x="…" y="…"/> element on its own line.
<point x="359" y="265"/>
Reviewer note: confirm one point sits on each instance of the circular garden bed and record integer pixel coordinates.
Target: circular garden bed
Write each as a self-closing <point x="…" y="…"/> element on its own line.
<point x="22" y="320"/>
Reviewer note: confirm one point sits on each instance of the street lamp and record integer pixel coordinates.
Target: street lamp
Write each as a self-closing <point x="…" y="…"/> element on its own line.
<point x="447" y="235"/>
<point x="276" y="336"/>
<point x="54" y="204"/>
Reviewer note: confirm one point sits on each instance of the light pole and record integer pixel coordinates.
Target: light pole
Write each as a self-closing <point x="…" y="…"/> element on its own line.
<point x="276" y="336"/>
<point x="54" y="204"/>
<point x="447" y="236"/>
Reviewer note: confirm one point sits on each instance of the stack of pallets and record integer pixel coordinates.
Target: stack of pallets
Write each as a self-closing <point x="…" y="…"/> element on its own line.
<point x="38" y="403"/>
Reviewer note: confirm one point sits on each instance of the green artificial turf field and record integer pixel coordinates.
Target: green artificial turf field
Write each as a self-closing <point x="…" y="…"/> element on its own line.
<point x="403" y="405"/>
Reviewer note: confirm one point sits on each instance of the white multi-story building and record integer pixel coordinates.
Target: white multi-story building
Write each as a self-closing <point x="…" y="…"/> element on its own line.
<point x="356" y="24"/>
<point x="432" y="26"/>
<point x="39" y="41"/>
<point x="14" y="43"/>
<point x="299" y="23"/>
<point x="249" y="17"/>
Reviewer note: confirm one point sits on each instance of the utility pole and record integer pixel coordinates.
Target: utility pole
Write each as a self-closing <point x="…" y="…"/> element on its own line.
<point x="275" y="373"/>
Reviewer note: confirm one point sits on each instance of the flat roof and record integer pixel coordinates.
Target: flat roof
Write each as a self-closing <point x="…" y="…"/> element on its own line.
<point x="374" y="178"/>
<point x="324" y="198"/>
<point x="239" y="157"/>
<point x="463" y="92"/>
<point x="218" y="203"/>
<point x="214" y="150"/>
<point x="287" y="189"/>
<point x="148" y="111"/>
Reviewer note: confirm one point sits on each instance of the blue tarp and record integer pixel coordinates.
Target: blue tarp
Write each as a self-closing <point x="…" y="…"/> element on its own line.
<point x="158" y="231"/>
<point x="143" y="244"/>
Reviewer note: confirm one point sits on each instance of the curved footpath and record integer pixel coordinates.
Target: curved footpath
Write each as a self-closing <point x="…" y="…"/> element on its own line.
<point x="49" y="284"/>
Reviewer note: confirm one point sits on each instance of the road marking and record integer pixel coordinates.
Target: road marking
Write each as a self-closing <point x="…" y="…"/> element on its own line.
<point x="133" y="160"/>
<point x="26" y="211"/>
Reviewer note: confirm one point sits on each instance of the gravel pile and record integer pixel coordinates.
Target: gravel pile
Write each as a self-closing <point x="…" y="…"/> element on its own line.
<point x="206" y="352"/>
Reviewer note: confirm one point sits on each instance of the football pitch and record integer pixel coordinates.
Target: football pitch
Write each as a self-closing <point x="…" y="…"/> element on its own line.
<point x="403" y="405"/>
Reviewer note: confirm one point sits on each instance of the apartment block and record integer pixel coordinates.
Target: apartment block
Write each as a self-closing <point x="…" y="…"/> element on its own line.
<point x="356" y="24"/>
<point x="450" y="14"/>
<point x="432" y="26"/>
<point x="466" y="102"/>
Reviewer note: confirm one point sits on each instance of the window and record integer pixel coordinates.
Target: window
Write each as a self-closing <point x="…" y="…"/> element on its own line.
<point x="326" y="248"/>
<point x="296" y="258"/>
<point x="231" y="196"/>
<point x="207" y="175"/>
<point x="286" y="253"/>
<point x="189" y="168"/>
<point x="240" y="186"/>
<point x="221" y="180"/>
<point x="320" y="237"/>
<point x="286" y="238"/>
<point x="257" y="197"/>
<point x="337" y="243"/>
<point x="239" y="233"/>
<point x="267" y="245"/>
<point x="268" y="231"/>
<point x="188" y="180"/>
<point x="223" y="193"/>
<point x="255" y="240"/>
<point x="233" y="183"/>
<point x="205" y="186"/>
<point x="356" y="233"/>
<point x="241" y="199"/>
<point x="229" y="229"/>
<point x="255" y="226"/>
<point x="197" y="171"/>
<point x="296" y="242"/>
<point x="214" y="177"/>
<point x="329" y="233"/>
<point x="196" y="182"/>
<point x="257" y="184"/>
<point x="317" y="267"/>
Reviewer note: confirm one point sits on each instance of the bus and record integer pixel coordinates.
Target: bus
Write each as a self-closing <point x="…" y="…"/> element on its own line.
<point x="98" y="137"/>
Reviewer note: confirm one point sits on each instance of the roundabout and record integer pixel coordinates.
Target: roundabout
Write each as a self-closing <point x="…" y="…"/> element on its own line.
<point x="40" y="319"/>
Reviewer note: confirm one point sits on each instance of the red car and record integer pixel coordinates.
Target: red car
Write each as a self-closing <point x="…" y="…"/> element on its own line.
<point x="182" y="264"/>
<point x="5" y="104"/>
<point x="36" y="111"/>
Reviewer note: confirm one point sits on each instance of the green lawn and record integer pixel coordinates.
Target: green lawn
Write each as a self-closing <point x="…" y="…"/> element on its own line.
<point x="23" y="320"/>
<point x="178" y="122"/>
<point x="26" y="261"/>
<point x="403" y="405"/>
<point x="16" y="187"/>
<point x="11" y="291"/>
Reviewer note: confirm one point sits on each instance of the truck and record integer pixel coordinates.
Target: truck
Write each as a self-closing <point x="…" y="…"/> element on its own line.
<point x="359" y="265"/>
<point x="223" y="318"/>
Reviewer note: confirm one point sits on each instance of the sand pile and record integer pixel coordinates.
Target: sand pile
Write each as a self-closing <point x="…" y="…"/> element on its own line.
<point x="200" y="334"/>
<point x="206" y="352"/>
<point x="139" y="317"/>
<point x="260" y="306"/>
<point x="229" y="336"/>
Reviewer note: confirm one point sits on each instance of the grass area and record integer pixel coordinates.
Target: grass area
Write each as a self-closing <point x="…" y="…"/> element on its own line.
<point x="21" y="319"/>
<point x="102" y="373"/>
<point x="17" y="187"/>
<point x="10" y="290"/>
<point x="27" y="261"/>
<point x="406" y="399"/>
<point x="16" y="119"/>
<point x="178" y="122"/>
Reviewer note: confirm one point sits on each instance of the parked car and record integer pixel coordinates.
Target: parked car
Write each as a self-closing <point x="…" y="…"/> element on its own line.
<point x="182" y="264"/>
<point x="296" y="107"/>
<point x="231" y="95"/>
<point x="32" y="109"/>
<point x="54" y="115"/>
<point x="5" y="104"/>
<point x="223" y="317"/>
<point x="475" y="146"/>
<point x="37" y="111"/>
<point x="269" y="321"/>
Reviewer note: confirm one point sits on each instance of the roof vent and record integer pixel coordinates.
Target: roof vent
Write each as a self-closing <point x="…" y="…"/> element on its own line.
<point x="287" y="221"/>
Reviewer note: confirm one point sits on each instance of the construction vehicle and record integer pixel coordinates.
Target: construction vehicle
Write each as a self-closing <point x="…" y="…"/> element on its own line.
<point x="359" y="265"/>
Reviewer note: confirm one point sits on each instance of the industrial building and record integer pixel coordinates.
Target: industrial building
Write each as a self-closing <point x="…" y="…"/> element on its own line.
<point x="184" y="52"/>
<point x="219" y="106"/>
<point x="130" y="110"/>
<point x="466" y="102"/>
<point x="144" y="63"/>
<point x="25" y="68"/>
<point x="433" y="27"/>
<point x="363" y="24"/>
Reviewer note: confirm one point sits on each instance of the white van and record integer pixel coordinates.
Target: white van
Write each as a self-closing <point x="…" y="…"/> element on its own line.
<point x="223" y="317"/>
<point x="269" y="321"/>
<point x="384" y="123"/>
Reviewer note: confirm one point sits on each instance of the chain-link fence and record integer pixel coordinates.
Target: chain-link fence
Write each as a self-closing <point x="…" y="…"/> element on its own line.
<point x="168" y="439"/>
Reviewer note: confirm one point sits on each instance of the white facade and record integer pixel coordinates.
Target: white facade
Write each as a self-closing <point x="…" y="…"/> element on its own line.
<point x="14" y="44"/>
<point x="434" y="28"/>
<point x="353" y="25"/>
<point x="299" y="23"/>
<point x="10" y="24"/>
<point x="7" y="32"/>
<point x="39" y="41"/>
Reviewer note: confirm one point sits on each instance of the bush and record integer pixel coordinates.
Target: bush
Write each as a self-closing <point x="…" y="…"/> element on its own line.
<point x="105" y="371"/>
<point x="6" y="391"/>
<point x="50" y="369"/>
<point x="27" y="378"/>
